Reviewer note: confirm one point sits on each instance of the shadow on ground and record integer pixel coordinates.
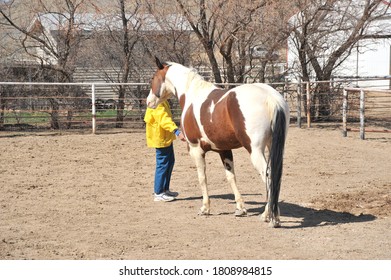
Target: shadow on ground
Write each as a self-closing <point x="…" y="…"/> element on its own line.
<point x="307" y="216"/>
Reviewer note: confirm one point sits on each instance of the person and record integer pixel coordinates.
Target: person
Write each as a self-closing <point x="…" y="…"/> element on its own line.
<point x="161" y="131"/>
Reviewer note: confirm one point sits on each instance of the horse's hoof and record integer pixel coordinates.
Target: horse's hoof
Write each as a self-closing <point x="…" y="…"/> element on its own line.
<point x="204" y="212"/>
<point x="274" y="224"/>
<point x="264" y="218"/>
<point x="240" y="212"/>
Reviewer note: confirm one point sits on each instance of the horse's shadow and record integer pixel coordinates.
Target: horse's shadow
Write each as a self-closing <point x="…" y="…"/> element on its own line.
<point x="307" y="217"/>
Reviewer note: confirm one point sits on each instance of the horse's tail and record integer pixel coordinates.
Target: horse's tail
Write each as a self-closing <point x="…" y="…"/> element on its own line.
<point x="279" y="132"/>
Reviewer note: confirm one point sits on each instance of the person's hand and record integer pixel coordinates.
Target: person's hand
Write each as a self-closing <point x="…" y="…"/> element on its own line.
<point x="181" y="137"/>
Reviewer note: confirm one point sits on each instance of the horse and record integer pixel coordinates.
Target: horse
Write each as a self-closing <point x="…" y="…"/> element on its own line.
<point x="253" y="116"/>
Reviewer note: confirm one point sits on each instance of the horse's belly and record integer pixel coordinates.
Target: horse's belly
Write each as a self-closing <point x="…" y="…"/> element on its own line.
<point x="221" y="142"/>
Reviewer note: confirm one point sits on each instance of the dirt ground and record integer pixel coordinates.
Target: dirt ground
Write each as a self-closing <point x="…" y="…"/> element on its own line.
<point x="82" y="196"/>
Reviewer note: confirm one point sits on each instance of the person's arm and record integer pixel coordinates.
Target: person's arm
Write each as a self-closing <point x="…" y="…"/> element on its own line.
<point x="168" y="124"/>
<point x="179" y="134"/>
<point x="148" y="117"/>
<point x="166" y="121"/>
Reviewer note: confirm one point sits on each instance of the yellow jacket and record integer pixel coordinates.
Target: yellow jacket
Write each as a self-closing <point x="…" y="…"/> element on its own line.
<point x="159" y="126"/>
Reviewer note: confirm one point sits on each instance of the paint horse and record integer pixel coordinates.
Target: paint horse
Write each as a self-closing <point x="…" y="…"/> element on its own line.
<point x="253" y="116"/>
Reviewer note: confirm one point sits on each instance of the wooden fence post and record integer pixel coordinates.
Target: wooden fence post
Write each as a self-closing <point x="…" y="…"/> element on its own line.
<point x="308" y="104"/>
<point x="93" y="109"/>
<point x="344" y="113"/>
<point x="362" y="114"/>
<point x="299" y="90"/>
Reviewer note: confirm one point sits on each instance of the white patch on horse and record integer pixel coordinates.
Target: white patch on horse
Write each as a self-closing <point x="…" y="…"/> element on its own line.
<point x="196" y="111"/>
<point x="224" y="96"/>
<point x="211" y="109"/>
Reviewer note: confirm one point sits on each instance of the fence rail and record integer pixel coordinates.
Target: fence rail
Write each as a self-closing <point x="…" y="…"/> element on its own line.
<point x="29" y="106"/>
<point x="379" y="103"/>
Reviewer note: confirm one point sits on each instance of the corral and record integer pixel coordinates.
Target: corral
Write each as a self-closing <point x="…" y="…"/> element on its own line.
<point x="79" y="196"/>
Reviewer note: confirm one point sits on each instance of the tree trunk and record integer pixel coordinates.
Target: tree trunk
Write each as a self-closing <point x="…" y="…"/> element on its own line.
<point x="230" y="69"/>
<point x="323" y="99"/>
<point x="212" y="59"/>
<point x="69" y="118"/>
<point x="125" y="66"/>
<point x="54" y="114"/>
<point x="2" y="108"/>
<point x="120" y="107"/>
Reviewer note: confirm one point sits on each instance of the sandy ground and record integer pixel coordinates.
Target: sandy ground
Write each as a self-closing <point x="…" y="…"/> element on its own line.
<point x="87" y="196"/>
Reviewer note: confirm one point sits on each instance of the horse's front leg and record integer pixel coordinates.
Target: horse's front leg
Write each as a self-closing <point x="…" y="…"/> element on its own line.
<point x="227" y="159"/>
<point x="199" y="157"/>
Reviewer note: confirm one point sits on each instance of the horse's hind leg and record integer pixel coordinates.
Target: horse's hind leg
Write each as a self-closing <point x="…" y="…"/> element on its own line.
<point x="199" y="157"/>
<point x="259" y="161"/>
<point x="227" y="159"/>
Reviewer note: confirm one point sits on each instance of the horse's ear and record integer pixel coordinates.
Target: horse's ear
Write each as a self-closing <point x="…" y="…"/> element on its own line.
<point x="158" y="63"/>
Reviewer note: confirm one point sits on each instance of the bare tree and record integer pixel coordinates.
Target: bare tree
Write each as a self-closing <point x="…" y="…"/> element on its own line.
<point x="168" y="35"/>
<point x="239" y="32"/>
<point x="123" y="39"/>
<point x="325" y="34"/>
<point x="118" y="43"/>
<point x="273" y="34"/>
<point x="229" y="30"/>
<point x="52" y="39"/>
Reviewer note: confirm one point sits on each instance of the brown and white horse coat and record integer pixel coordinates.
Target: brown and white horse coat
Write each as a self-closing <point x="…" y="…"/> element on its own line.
<point x="253" y="116"/>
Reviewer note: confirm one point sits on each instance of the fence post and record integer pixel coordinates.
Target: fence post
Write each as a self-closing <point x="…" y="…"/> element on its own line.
<point x="308" y="105"/>
<point x="299" y="89"/>
<point x="362" y="114"/>
<point x="344" y="113"/>
<point x="93" y="109"/>
<point x="285" y="91"/>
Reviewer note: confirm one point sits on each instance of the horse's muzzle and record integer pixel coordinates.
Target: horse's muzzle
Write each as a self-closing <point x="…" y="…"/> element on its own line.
<point x="151" y="105"/>
<point x="152" y="101"/>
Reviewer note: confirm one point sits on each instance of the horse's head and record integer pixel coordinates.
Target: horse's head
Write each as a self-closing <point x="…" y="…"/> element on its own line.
<point x="161" y="88"/>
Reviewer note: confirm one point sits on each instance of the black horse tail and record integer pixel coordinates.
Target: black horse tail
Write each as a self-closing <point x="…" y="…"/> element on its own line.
<point x="279" y="131"/>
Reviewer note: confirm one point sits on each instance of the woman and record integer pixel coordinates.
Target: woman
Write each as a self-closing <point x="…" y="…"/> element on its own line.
<point x="161" y="131"/>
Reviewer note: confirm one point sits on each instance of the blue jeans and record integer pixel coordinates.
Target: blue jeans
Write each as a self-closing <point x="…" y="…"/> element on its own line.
<point x="165" y="160"/>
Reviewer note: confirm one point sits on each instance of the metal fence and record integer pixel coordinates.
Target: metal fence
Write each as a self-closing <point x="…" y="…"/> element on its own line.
<point x="88" y="106"/>
<point x="41" y="106"/>
<point x="370" y="107"/>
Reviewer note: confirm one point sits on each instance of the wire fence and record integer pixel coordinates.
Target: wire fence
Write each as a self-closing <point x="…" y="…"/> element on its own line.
<point x="103" y="106"/>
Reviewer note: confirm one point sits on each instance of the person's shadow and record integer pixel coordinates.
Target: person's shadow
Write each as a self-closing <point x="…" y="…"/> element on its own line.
<point x="309" y="217"/>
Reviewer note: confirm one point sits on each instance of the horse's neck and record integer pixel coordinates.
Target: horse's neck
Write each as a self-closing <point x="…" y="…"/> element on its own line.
<point x="192" y="84"/>
<point x="199" y="84"/>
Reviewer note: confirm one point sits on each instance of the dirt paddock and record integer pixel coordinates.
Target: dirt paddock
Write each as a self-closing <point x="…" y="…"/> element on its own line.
<point x="84" y="196"/>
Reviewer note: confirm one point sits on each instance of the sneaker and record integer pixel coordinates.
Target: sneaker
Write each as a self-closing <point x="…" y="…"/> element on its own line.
<point x="170" y="193"/>
<point x="163" y="197"/>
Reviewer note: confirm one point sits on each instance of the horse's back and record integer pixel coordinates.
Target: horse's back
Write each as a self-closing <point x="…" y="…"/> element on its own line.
<point x="259" y="92"/>
<point x="259" y="103"/>
<point x="258" y="97"/>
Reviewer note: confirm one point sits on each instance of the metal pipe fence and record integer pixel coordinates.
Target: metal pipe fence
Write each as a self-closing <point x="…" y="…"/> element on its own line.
<point x="61" y="106"/>
<point x="371" y="106"/>
<point x="97" y="106"/>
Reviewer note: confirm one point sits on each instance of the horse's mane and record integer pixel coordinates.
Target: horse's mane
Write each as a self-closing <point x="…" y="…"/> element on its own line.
<point x="194" y="80"/>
